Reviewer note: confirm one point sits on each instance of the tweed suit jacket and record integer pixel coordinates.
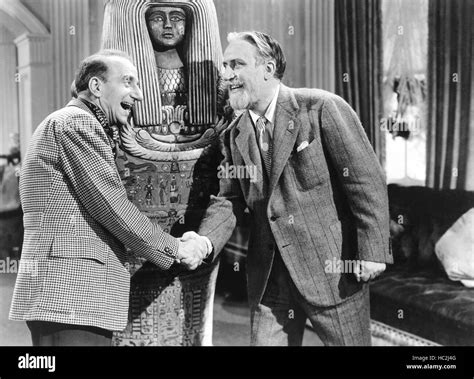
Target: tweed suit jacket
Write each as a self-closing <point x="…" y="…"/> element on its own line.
<point x="323" y="204"/>
<point x="77" y="221"/>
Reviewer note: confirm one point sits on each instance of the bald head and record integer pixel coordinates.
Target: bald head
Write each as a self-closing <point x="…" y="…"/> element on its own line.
<point x="96" y="65"/>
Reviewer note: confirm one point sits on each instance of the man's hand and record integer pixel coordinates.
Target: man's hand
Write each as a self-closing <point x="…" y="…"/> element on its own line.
<point x="368" y="270"/>
<point x="192" y="250"/>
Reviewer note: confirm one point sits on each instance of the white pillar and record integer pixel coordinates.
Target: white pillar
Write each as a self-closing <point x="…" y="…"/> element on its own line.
<point x="35" y="83"/>
<point x="9" y="93"/>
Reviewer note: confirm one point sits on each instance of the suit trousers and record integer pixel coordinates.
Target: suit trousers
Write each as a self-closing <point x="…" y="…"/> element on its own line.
<point x="45" y="333"/>
<point x="280" y="318"/>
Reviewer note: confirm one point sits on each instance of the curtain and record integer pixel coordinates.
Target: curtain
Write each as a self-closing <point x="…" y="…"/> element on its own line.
<point x="359" y="67"/>
<point x="450" y="150"/>
<point x="304" y="28"/>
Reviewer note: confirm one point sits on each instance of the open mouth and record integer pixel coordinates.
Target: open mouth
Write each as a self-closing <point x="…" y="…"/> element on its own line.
<point x="126" y="106"/>
<point x="234" y="87"/>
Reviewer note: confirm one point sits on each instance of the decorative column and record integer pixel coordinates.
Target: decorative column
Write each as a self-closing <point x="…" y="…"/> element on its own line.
<point x="35" y="84"/>
<point x="9" y="93"/>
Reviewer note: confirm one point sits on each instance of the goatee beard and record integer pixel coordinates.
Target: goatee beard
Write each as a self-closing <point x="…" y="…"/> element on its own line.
<point x="240" y="101"/>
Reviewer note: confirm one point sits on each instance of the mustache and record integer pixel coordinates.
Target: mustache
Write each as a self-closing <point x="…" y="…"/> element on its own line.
<point x="234" y="83"/>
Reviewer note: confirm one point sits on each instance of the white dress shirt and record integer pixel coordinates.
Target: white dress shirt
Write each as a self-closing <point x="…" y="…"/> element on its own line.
<point x="269" y="114"/>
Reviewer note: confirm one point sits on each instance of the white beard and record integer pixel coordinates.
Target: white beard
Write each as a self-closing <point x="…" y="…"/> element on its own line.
<point x="239" y="101"/>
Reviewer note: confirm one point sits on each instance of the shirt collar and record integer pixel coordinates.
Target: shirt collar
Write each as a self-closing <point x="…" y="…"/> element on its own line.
<point x="270" y="113"/>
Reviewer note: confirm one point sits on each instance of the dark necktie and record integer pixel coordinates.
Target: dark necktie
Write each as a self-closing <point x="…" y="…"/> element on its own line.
<point x="265" y="143"/>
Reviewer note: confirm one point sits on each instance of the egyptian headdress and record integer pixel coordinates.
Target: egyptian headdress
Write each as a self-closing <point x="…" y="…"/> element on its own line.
<point x="125" y="29"/>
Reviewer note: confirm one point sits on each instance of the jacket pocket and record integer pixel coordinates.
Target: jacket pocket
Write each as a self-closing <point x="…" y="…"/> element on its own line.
<point x="75" y="283"/>
<point x="73" y="247"/>
<point x="304" y="168"/>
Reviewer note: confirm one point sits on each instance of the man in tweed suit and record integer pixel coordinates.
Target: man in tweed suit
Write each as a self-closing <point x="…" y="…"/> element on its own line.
<point x="78" y="219"/>
<point x="320" y="201"/>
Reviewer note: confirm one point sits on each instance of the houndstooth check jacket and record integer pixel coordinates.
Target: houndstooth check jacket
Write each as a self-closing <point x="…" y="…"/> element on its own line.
<point x="77" y="219"/>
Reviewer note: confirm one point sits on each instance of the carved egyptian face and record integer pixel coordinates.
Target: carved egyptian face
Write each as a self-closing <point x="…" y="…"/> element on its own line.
<point x="166" y="26"/>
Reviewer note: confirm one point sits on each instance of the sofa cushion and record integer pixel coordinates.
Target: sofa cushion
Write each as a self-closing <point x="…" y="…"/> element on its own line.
<point x="420" y="216"/>
<point x="455" y="250"/>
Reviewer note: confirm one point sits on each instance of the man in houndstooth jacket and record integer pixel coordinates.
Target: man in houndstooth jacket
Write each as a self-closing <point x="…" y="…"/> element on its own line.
<point x="77" y="217"/>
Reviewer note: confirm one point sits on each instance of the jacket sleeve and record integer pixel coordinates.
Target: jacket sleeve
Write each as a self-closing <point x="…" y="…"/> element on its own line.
<point x="220" y="218"/>
<point x="361" y="176"/>
<point x="87" y="161"/>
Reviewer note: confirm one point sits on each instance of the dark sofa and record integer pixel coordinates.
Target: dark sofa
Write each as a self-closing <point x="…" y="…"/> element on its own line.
<point x="413" y="302"/>
<point x="415" y="295"/>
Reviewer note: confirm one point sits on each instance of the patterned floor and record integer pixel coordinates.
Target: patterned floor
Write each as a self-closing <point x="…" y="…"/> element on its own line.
<point x="231" y="321"/>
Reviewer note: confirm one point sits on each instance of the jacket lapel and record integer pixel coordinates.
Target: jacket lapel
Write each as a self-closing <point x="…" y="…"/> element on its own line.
<point x="285" y="132"/>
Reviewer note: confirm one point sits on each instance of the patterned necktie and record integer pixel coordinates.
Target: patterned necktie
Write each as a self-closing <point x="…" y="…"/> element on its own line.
<point x="265" y="143"/>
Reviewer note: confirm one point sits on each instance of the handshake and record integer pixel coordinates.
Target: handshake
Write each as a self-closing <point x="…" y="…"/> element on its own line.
<point x="192" y="250"/>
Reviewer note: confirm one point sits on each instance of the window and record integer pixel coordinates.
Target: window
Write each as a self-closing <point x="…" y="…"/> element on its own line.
<point x="405" y="44"/>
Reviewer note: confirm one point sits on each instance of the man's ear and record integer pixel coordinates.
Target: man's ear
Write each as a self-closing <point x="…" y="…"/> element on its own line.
<point x="95" y="86"/>
<point x="270" y="68"/>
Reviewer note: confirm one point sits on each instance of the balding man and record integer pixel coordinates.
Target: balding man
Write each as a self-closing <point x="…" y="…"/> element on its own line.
<point x="73" y="287"/>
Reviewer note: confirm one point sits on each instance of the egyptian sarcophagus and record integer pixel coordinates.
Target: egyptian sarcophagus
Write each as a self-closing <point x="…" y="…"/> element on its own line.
<point x="168" y="156"/>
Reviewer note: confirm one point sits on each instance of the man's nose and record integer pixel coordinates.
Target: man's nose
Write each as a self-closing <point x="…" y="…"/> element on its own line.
<point x="137" y="94"/>
<point x="167" y="22"/>
<point x="228" y="73"/>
